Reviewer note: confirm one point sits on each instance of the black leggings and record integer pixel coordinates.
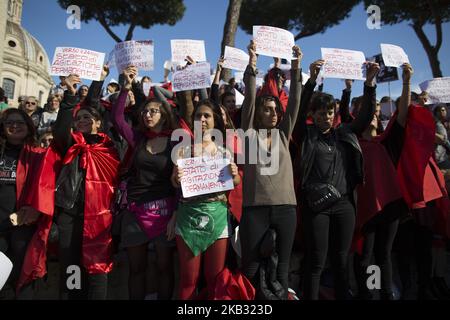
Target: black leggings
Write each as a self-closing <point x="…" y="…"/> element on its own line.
<point x="378" y="239"/>
<point x="414" y="246"/>
<point x="93" y="286"/>
<point x="254" y="224"/>
<point x="14" y="245"/>
<point x="137" y="256"/>
<point x="333" y="226"/>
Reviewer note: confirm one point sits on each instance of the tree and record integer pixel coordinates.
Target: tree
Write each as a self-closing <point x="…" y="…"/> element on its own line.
<point x="135" y="13"/>
<point x="229" y="31"/>
<point x="418" y="14"/>
<point x="304" y="17"/>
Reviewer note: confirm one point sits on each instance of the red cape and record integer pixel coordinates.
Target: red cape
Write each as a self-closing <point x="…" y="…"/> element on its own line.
<point x="381" y="186"/>
<point x="36" y="171"/>
<point x="101" y="162"/>
<point x="420" y="179"/>
<point x="417" y="151"/>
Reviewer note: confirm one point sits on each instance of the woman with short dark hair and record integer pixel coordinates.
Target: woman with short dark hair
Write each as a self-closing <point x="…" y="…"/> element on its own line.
<point x="330" y="169"/>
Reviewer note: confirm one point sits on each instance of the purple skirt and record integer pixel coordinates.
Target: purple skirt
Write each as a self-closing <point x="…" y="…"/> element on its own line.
<point x="154" y="216"/>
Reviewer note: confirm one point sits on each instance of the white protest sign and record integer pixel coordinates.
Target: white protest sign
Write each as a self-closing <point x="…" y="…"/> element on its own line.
<point x="137" y="53"/>
<point x="167" y="65"/>
<point x="238" y="76"/>
<point x="239" y="97"/>
<point x="343" y="64"/>
<point x="305" y="78"/>
<point x="438" y="90"/>
<point x="196" y="76"/>
<point x="259" y="81"/>
<point x="393" y="56"/>
<point x="203" y="176"/>
<point x="273" y="42"/>
<point x="181" y="48"/>
<point x="146" y="86"/>
<point x="87" y="64"/>
<point x="235" y="59"/>
<point x="5" y="269"/>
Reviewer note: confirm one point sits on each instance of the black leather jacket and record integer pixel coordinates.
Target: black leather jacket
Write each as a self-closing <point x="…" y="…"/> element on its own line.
<point x="346" y="133"/>
<point x="354" y="154"/>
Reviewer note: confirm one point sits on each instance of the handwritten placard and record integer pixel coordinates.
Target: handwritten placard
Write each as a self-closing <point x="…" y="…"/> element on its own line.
<point x="138" y="53"/>
<point x="195" y="76"/>
<point x="235" y="59"/>
<point x="181" y="48"/>
<point x="386" y="74"/>
<point x="438" y="90"/>
<point x="87" y="64"/>
<point x="393" y="56"/>
<point x="204" y="176"/>
<point x="343" y="64"/>
<point x="273" y="42"/>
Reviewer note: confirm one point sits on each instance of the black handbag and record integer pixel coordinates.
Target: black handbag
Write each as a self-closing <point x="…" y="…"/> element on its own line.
<point x="320" y="196"/>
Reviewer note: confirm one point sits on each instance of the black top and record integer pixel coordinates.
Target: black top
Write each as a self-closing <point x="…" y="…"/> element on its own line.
<point x="151" y="175"/>
<point x="329" y="163"/>
<point x="393" y="142"/>
<point x="8" y="167"/>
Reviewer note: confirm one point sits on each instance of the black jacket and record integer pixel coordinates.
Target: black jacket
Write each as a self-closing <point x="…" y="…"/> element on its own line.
<point x="308" y="135"/>
<point x="354" y="154"/>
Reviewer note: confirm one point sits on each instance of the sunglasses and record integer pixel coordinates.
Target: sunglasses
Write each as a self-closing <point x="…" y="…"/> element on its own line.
<point x="32" y="103"/>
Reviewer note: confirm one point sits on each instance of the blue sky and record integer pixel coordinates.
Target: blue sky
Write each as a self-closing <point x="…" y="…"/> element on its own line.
<point x="204" y="20"/>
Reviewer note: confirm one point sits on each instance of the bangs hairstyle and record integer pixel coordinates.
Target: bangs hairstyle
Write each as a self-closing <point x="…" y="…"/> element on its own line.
<point x="94" y="113"/>
<point x="217" y="113"/>
<point x="31" y="136"/>
<point x="322" y="100"/>
<point x="260" y="102"/>
<point x="166" y="115"/>
<point x="438" y="108"/>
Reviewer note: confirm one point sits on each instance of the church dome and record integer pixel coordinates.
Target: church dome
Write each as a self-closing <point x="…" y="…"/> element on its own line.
<point x="25" y="49"/>
<point x="24" y="64"/>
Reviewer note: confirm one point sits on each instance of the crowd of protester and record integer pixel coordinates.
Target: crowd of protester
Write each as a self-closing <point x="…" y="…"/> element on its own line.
<point x="96" y="166"/>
